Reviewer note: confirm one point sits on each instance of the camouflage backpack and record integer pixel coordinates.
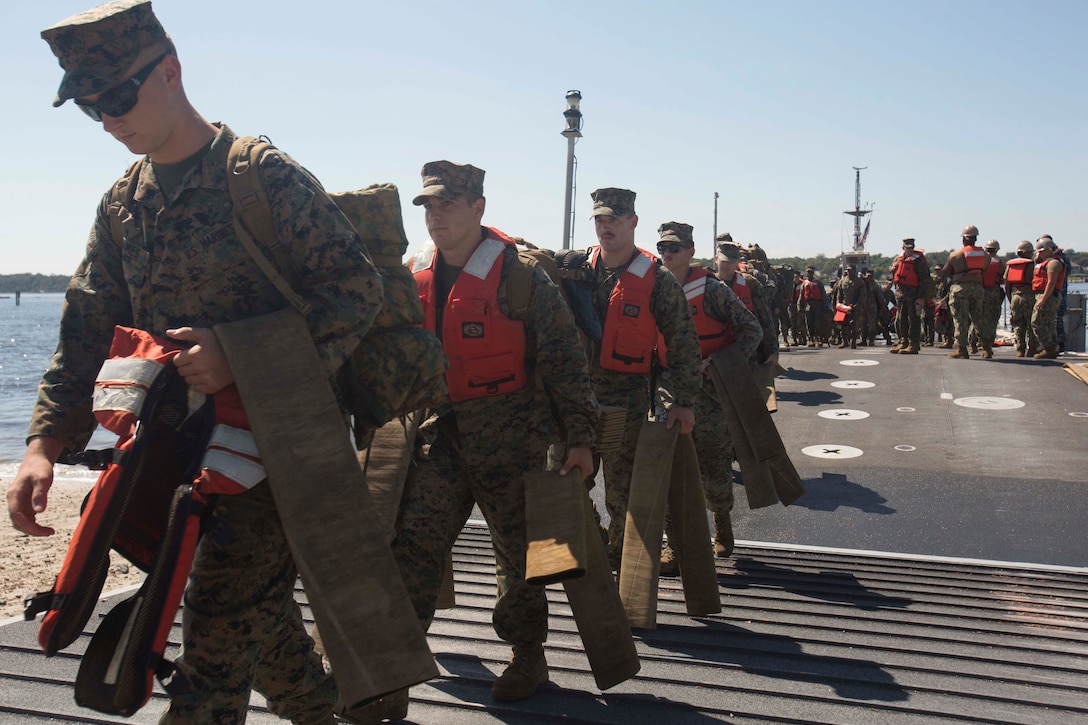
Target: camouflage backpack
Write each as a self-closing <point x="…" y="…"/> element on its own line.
<point x="399" y="366"/>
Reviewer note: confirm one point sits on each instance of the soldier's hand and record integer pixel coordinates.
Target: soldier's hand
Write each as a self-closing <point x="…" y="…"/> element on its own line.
<point x="204" y="365"/>
<point x="580" y="457"/>
<point x="684" y="416"/>
<point x="28" y="494"/>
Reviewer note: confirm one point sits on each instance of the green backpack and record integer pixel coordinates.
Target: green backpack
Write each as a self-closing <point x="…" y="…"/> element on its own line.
<point x="399" y="366"/>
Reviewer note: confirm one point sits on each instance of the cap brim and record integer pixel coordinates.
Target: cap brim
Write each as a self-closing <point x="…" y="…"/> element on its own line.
<point x="434" y="190"/>
<point x="603" y="211"/>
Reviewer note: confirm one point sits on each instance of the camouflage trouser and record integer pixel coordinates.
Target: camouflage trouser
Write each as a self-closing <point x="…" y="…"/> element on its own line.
<point x="814" y="311"/>
<point x="617" y="465"/>
<point x="908" y="323"/>
<point x="1020" y="309"/>
<point x="241" y="626"/>
<point x="714" y="449"/>
<point x="466" y="459"/>
<point x="965" y="301"/>
<point x="985" y="334"/>
<point x="1044" y="321"/>
<point x="800" y="326"/>
<point x="866" y="322"/>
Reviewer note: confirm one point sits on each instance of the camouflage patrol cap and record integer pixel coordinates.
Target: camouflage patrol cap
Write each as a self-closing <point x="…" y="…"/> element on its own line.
<point x="97" y="47"/>
<point x="728" y="251"/>
<point x="448" y="180"/>
<point x="375" y="213"/>
<point x="909" y="242"/>
<point x="613" y="202"/>
<point x="724" y="237"/>
<point x="676" y="232"/>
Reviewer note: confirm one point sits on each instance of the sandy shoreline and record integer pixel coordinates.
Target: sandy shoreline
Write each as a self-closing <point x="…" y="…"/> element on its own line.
<point x="30" y="563"/>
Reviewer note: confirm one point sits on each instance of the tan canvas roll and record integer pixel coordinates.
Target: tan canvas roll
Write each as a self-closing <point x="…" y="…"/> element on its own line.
<point x="370" y="631"/>
<point x="690" y="537"/>
<point x="554" y="527"/>
<point x="641" y="560"/>
<point x="598" y="611"/>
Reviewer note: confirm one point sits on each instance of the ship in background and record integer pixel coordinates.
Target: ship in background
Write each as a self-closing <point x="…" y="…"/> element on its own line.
<point x="858" y="256"/>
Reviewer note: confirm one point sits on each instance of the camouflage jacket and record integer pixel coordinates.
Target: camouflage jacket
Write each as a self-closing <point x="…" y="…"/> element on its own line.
<point x="722" y="304"/>
<point x="554" y="357"/>
<point x="847" y="291"/>
<point x="673" y="317"/>
<point x="181" y="264"/>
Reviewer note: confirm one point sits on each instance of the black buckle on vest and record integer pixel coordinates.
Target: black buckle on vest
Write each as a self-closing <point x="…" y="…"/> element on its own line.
<point x="97" y="460"/>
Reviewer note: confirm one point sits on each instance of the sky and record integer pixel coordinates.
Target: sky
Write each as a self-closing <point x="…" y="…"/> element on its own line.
<point x="961" y="111"/>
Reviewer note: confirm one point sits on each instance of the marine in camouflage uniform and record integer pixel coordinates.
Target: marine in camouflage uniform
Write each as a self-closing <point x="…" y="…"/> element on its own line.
<point x="729" y="255"/>
<point x="477" y="450"/>
<point x="713" y="446"/>
<point x="615" y="221"/>
<point x="1022" y="300"/>
<point x="964" y="292"/>
<point x="179" y="270"/>
<point x="1050" y="273"/>
<point x="913" y="283"/>
<point x="992" y="298"/>
<point x="848" y="291"/>
<point x="867" y="309"/>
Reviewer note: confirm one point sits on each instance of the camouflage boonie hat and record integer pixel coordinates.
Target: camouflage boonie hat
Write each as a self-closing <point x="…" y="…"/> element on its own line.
<point x="448" y="180"/>
<point x="97" y="47"/>
<point x="613" y="202"/>
<point x="724" y="237"/>
<point x="728" y="251"/>
<point x="676" y="232"/>
<point x="375" y="213"/>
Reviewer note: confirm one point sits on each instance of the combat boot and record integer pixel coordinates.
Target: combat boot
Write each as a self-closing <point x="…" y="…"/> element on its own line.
<point x="1047" y="353"/>
<point x="842" y="345"/>
<point x="961" y="353"/>
<point x="894" y="349"/>
<point x="1032" y="351"/>
<point x="974" y="347"/>
<point x="1019" y="352"/>
<point x="812" y="344"/>
<point x="987" y="352"/>
<point x="527" y="671"/>
<point x="723" y="535"/>
<point x="909" y="350"/>
<point x="669" y="565"/>
<point x="946" y="345"/>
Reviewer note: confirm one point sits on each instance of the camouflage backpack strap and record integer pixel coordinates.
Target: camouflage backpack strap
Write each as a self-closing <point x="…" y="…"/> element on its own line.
<point x="122" y="224"/>
<point x="519" y="283"/>
<point x="253" y="213"/>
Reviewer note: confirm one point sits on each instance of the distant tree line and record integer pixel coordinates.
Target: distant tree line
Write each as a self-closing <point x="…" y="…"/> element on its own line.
<point x="29" y="283"/>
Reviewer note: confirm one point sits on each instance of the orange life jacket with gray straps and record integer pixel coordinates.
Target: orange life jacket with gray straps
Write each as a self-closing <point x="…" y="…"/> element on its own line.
<point x="485" y="348"/>
<point x="630" y="329"/>
<point x="176" y="449"/>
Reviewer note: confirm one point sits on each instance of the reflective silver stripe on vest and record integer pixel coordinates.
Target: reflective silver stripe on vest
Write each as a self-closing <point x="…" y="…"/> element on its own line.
<point x="695" y="288"/>
<point x="484" y="258"/>
<point x="640" y="266"/>
<point x="122" y="384"/>
<point x="226" y="454"/>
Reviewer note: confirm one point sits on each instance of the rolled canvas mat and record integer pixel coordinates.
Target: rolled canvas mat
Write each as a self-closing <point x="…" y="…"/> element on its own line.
<point x="554" y="527"/>
<point x="371" y="635"/>
<point x="641" y="560"/>
<point x="690" y="537"/>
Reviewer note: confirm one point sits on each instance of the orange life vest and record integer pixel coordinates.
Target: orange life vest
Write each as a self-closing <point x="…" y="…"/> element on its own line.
<point x="630" y="330"/>
<point x="813" y="291"/>
<point x="740" y="286"/>
<point x="713" y="333"/>
<point x="991" y="273"/>
<point x="1019" y="272"/>
<point x="485" y="348"/>
<point x="231" y="462"/>
<point x="906" y="270"/>
<point x="976" y="259"/>
<point x="1038" y="281"/>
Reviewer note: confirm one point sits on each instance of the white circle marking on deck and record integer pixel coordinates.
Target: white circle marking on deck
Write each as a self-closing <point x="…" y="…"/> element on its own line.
<point x="843" y="414"/>
<point x="905" y="410"/>
<point x="831" y="450"/>
<point x="905" y="448"/>
<point x="859" y="363"/>
<point x="1079" y="415"/>
<point x="989" y="402"/>
<point x="858" y="384"/>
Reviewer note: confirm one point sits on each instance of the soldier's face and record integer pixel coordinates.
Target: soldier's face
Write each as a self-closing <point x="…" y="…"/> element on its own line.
<point x="678" y="262"/>
<point x="149" y="126"/>
<point x="616" y="233"/>
<point x="727" y="267"/>
<point x="453" y="223"/>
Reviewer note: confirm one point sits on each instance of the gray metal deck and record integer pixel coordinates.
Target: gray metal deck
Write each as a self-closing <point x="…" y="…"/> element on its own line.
<point x="810" y="633"/>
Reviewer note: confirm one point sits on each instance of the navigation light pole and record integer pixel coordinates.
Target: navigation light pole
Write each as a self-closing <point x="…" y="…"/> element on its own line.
<point x="572" y="132"/>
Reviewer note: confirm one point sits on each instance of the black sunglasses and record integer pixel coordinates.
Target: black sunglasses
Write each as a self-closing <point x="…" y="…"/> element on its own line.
<point x="122" y="99"/>
<point x="673" y="248"/>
